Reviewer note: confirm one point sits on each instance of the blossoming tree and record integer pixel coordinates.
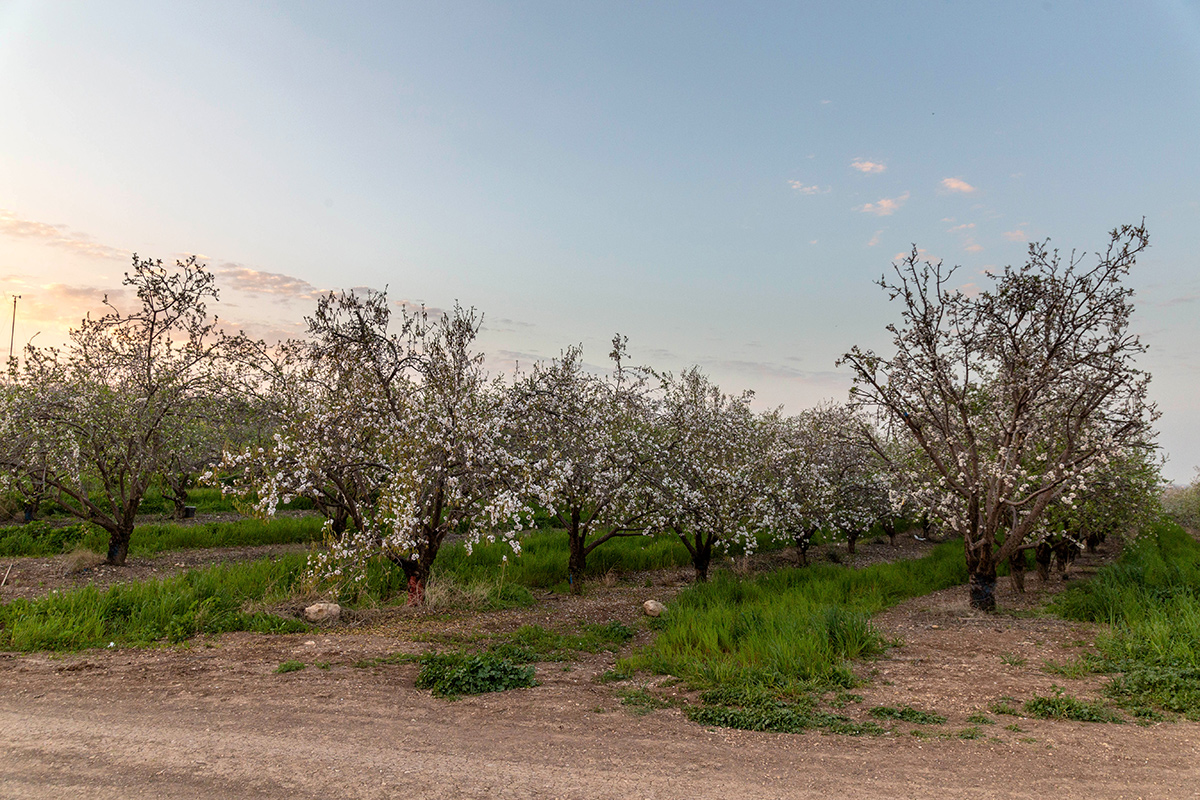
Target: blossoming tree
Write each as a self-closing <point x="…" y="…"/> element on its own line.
<point x="586" y="440"/>
<point x="93" y="425"/>
<point x="711" y="468"/>
<point x="402" y="429"/>
<point x="1017" y="395"/>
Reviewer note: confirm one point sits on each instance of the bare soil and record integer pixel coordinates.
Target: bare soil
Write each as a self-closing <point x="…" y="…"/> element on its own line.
<point x="213" y="719"/>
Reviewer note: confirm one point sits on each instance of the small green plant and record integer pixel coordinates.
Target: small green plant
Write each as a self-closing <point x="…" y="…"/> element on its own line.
<point x="1015" y="728"/>
<point x="641" y="702"/>
<point x="841" y="698"/>
<point x="322" y="665"/>
<point x="452" y="674"/>
<point x="980" y="718"/>
<point x="290" y="666"/>
<point x="1005" y="705"/>
<point x="1073" y="669"/>
<point x="1064" y="706"/>
<point x="1012" y="660"/>
<point x="973" y="732"/>
<point x="907" y="714"/>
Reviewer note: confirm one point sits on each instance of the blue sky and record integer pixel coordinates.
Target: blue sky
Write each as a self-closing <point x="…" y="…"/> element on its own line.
<point x="721" y="182"/>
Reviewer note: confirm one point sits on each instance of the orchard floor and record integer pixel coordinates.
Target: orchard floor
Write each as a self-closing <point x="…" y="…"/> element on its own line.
<point x="213" y="720"/>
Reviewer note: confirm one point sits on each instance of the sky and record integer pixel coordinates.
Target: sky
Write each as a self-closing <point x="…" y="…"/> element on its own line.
<point x="720" y="182"/>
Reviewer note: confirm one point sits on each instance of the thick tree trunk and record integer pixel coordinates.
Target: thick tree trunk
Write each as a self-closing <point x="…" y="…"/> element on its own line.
<point x="576" y="563"/>
<point x="851" y="541"/>
<point x="1043" y="554"/>
<point x="889" y="527"/>
<point x="416" y="575"/>
<point x="118" y="546"/>
<point x="1016" y="571"/>
<point x="981" y="566"/>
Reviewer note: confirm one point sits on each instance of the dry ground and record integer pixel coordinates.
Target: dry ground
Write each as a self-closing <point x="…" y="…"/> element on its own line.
<point x="213" y="719"/>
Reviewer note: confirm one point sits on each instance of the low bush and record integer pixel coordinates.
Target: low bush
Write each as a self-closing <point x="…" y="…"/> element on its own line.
<point x="452" y="674"/>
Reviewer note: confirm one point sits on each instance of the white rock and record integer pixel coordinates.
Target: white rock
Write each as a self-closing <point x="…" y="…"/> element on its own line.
<point x="653" y="608"/>
<point x="322" y="612"/>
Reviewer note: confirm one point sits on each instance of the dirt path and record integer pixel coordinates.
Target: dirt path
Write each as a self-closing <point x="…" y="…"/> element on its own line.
<point x="214" y="720"/>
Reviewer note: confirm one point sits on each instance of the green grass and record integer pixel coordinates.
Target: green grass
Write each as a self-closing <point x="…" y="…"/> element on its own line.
<point x="209" y="600"/>
<point x="762" y="648"/>
<point x="39" y="538"/>
<point x="1150" y="598"/>
<point x="542" y="563"/>
<point x="290" y="666"/>
<point x="792" y="627"/>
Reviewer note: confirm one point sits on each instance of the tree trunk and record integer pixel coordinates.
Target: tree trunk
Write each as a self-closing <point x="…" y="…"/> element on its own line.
<point x="701" y="558"/>
<point x="576" y="563"/>
<point x="416" y="575"/>
<point x="577" y="553"/>
<point x="889" y="527"/>
<point x="981" y="566"/>
<point x="118" y="546"/>
<point x="802" y="543"/>
<point x="1042" y="554"/>
<point x="851" y="541"/>
<point x="1016" y="571"/>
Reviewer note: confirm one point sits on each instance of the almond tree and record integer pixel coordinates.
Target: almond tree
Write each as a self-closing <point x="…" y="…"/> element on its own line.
<point x="93" y="425"/>
<point x="586" y="440"/>
<point x="1017" y="395"/>
<point x="400" y="429"/>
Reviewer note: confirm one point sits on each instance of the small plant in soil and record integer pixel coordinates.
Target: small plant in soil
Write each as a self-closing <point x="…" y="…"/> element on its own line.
<point x="907" y="714"/>
<point x="1005" y="705"/>
<point x="290" y="666"/>
<point x="1012" y="660"/>
<point x="1064" y="706"/>
<point x="980" y="719"/>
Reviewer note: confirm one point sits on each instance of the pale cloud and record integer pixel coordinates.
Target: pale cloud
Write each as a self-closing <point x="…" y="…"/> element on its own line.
<point x="957" y="185"/>
<point x="868" y="167"/>
<point x="1015" y="236"/>
<point x="875" y="239"/>
<point x="885" y="207"/>
<point x="244" y="279"/>
<point x="966" y="226"/>
<point x="802" y="188"/>
<point x="55" y="235"/>
<point x="974" y="248"/>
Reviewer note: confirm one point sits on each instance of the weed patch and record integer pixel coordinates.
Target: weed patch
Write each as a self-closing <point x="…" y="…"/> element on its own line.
<point x="1064" y="706"/>
<point x="290" y="666"/>
<point x="907" y="714"/>
<point x="452" y="674"/>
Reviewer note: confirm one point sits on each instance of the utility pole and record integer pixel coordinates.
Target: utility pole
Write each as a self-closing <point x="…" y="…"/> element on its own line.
<point x="13" y="332"/>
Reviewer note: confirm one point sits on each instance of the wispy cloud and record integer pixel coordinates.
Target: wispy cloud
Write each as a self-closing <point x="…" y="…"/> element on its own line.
<point x="875" y="239"/>
<point x="966" y="226"/>
<point x="868" y="167"/>
<point x="244" y="279"/>
<point x="56" y="235"/>
<point x="1015" y="236"/>
<point x="973" y="247"/>
<point x="885" y="207"/>
<point x="803" y="188"/>
<point x="957" y="185"/>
